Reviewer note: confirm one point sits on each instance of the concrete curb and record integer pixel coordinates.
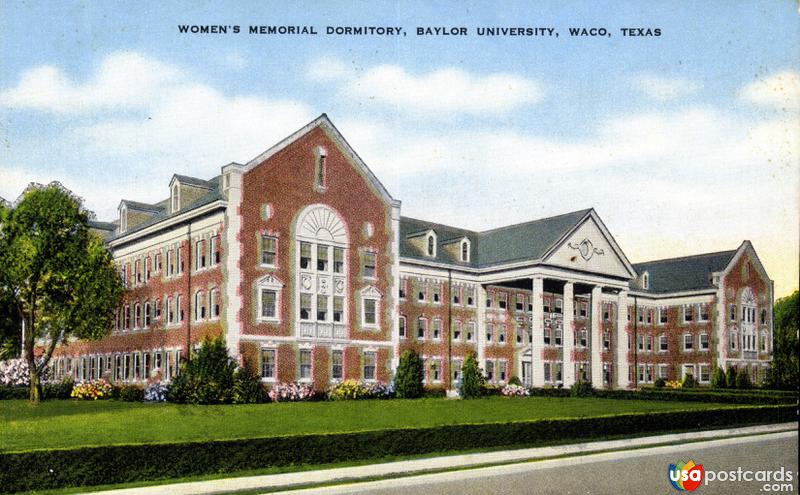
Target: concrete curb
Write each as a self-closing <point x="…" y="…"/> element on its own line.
<point x="421" y="466"/>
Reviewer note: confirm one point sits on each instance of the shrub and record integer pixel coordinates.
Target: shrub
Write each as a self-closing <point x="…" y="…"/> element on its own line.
<point x="743" y="380"/>
<point x="290" y="392"/>
<point x="14" y="373"/>
<point x="718" y="379"/>
<point x="730" y="378"/>
<point x="660" y="383"/>
<point x="581" y="389"/>
<point x="131" y="393"/>
<point x="472" y="380"/>
<point x="688" y="381"/>
<point x="515" y="381"/>
<point x="156" y="392"/>
<point x="409" y="376"/>
<point x="514" y="391"/>
<point x="378" y="390"/>
<point x="357" y="390"/>
<point x="207" y="377"/>
<point x="246" y="387"/>
<point x="101" y="465"/>
<point x="59" y="390"/>
<point x="673" y="384"/>
<point x="93" y="390"/>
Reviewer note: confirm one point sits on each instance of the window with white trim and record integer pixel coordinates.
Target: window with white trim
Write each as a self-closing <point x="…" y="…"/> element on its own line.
<point x="688" y="342"/>
<point x="337" y="364"/>
<point x="200" y="254"/>
<point x="268" y="291"/>
<point x="663" y="344"/>
<point x="369" y="365"/>
<point x="465" y="251"/>
<point x="704" y="372"/>
<point x="401" y="327"/>
<point x="489" y="332"/>
<point x="199" y="306"/>
<point x="213" y="302"/>
<point x="370" y="302"/>
<point x="269" y="250"/>
<point x="436" y="329"/>
<point x="471" y="331"/>
<point x="704" y="343"/>
<point x="268" y="364"/>
<point x="430" y="244"/>
<point x="304" y="361"/>
<point x="422" y="328"/>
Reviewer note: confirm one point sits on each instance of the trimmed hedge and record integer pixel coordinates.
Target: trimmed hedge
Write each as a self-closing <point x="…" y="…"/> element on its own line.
<point x="694" y="395"/>
<point x="112" y="464"/>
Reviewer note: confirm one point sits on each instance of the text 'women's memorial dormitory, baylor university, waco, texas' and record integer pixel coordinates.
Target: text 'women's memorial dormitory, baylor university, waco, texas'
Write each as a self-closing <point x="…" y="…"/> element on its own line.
<point x="301" y="259"/>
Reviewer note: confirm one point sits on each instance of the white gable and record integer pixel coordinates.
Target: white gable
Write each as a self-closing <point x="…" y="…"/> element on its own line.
<point x="588" y="248"/>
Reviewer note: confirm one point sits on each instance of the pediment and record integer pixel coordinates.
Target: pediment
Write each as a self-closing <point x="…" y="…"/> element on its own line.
<point x="590" y="248"/>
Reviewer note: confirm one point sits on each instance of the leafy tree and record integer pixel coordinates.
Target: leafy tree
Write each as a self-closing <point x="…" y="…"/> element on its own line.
<point x="730" y="377"/>
<point x="207" y="377"/>
<point x="410" y="373"/>
<point x="783" y="373"/>
<point x="472" y="380"/>
<point x="718" y="379"/>
<point x="58" y="275"/>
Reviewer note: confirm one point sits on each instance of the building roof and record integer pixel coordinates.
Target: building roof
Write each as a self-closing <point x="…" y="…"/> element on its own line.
<point x="136" y="205"/>
<point x="194" y="181"/>
<point x="524" y="241"/>
<point x="163" y="212"/>
<point x="683" y="274"/>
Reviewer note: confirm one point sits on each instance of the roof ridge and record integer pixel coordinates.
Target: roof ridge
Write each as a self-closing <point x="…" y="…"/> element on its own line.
<point x="677" y="258"/>
<point x="528" y="222"/>
<point x="402" y="217"/>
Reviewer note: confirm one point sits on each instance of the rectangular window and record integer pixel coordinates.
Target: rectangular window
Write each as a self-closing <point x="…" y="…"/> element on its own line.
<point x="436" y="370"/>
<point x="501" y="335"/>
<point x="437" y="329"/>
<point x="457" y="326"/>
<point x="338" y="309"/>
<point x="583" y="309"/>
<point x="688" y="313"/>
<point x="606" y="373"/>
<point x="688" y="342"/>
<point x="338" y="260"/>
<point x="457" y="295"/>
<point x="423" y="289"/>
<point x="470" y="296"/>
<point x="489" y="370"/>
<point x="557" y="337"/>
<point x="547" y="374"/>
<point x="437" y="289"/>
<point x="322" y="308"/>
<point x="732" y="312"/>
<point x="471" y="331"/>
<point x="502" y="301"/>
<point x="489" y="299"/>
<point x="606" y="312"/>
<point x="305" y="306"/>
<point x="370" y="312"/>
<point x="401" y="327"/>
<point x="546" y="305"/>
<point x="662" y="316"/>
<point x="649" y="343"/>
<point x="369" y="366"/>
<point x="547" y="335"/>
<point x="322" y="258"/>
<point x="401" y="291"/>
<point x="705" y="373"/>
<point x="305" y="364"/>
<point x="688" y="369"/>
<point x="502" y="370"/>
<point x="704" y="342"/>
<point x="305" y="256"/>
<point x="269" y="250"/>
<point x="559" y="305"/>
<point x="336" y="365"/>
<point x="216" y="256"/>
<point x="489" y="332"/>
<point x="606" y="340"/>
<point x="663" y="345"/>
<point x="200" y="255"/>
<point x="520" y="302"/>
<point x="422" y="325"/>
<point x="369" y="265"/>
<point x="268" y="363"/>
<point x="703" y="312"/>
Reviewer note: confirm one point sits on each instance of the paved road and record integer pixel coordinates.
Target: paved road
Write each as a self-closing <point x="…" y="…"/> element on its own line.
<point x="641" y="471"/>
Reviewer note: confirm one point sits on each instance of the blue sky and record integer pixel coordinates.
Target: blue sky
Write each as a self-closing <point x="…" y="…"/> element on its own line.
<point x="683" y="143"/>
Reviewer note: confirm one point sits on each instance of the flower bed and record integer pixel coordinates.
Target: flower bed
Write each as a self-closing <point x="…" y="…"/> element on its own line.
<point x="93" y="390"/>
<point x="290" y="392"/>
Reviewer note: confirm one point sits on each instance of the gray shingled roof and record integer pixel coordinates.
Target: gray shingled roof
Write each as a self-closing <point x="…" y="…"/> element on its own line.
<point x="682" y="274"/>
<point x="524" y="241"/>
<point x="162" y="206"/>
<point x="194" y="181"/>
<point x="136" y="205"/>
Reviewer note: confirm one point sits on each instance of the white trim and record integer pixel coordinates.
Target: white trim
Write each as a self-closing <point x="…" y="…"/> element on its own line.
<point x="168" y="222"/>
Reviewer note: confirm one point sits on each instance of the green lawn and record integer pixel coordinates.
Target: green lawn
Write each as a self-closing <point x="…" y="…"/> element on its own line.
<point x="69" y="424"/>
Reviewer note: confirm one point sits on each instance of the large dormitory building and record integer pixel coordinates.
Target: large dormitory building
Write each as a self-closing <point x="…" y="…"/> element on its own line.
<point x="302" y="260"/>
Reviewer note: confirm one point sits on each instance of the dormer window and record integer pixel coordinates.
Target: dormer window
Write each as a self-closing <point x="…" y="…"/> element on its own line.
<point x="646" y="281"/>
<point x="465" y="250"/>
<point x="176" y="198"/>
<point x="431" y="245"/>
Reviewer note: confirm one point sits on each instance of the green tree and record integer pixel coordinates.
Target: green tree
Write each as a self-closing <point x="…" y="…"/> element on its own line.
<point x="472" y="380"/>
<point x="207" y="377"/>
<point x="718" y="379"/>
<point x="410" y="373"/>
<point x="730" y="377"/>
<point x="743" y="379"/>
<point x="784" y="370"/>
<point x="58" y="276"/>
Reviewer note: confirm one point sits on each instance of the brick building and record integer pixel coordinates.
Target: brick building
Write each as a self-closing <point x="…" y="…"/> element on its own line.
<point x="302" y="260"/>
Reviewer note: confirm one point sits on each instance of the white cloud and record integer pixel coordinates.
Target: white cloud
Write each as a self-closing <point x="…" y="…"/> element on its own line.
<point x="327" y="69"/>
<point x="448" y="90"/>
<point x="124" y="80"/>
<point x="780" y="90"/>
<point x="665" y="89"/>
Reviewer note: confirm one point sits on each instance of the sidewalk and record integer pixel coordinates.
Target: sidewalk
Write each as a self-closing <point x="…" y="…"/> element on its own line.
<point x="419" y="466"/>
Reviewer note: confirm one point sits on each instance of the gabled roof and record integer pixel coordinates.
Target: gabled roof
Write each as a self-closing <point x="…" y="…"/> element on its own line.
<point x="524" y="241"/>
<point x="325" y="123"/>
<point x="683" y="274"/>
<point x="193" y="181"/>
<point x="136" y="205"/>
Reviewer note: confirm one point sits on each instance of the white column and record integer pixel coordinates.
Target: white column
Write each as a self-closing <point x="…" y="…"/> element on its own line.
<point x="394" y="291"/>
<point x="232" y="254"/>
<point x="597" y="337"/>
<point x="481" y="293"/>
<point x="537" y="332"/>
<point x="621" y="363"/>
<point x="568" y="336"/>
